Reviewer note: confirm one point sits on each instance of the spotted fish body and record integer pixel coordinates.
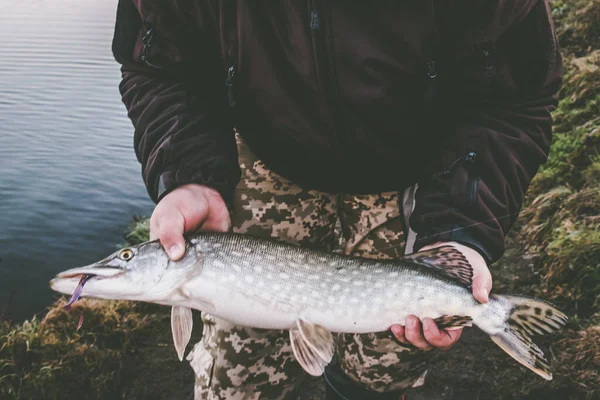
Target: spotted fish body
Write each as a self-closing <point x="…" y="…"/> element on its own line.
<point x="262" y="283"/>
<point x="269" y="285"/>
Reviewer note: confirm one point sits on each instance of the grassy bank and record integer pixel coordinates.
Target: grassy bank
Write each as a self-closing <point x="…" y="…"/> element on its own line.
<point x="124" y="349"/>
<point x="560" y="226"/>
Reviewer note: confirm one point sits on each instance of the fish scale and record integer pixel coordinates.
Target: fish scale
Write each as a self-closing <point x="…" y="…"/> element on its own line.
<point x="292" y="279"/>
<point x="262" y="283"/>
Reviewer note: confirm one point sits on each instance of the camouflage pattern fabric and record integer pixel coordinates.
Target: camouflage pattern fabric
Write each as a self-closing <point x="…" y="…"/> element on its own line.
<point x="373" y="227"/>
<point x="239" y="363"/>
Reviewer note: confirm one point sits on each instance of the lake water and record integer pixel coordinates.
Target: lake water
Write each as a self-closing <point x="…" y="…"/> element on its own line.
<point x="69" y="180"/>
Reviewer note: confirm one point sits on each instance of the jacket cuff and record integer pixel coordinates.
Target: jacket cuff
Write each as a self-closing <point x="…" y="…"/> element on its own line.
<point x="459" y="234"/>
<point x="170" y="180"/>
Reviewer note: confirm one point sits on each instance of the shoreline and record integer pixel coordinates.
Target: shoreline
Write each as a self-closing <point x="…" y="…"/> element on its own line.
<point x="124" y="349"/>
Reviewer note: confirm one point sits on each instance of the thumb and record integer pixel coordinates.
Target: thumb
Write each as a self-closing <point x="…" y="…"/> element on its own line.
<point x="482" y="284"/>
<point x="170" y="233"/>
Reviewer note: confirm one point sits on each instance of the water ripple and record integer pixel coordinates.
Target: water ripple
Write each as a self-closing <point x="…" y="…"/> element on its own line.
<point x="70" y="181"/>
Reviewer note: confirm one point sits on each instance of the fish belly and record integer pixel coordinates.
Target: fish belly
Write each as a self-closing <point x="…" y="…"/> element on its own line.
<point x="263" y="307"/>
<point x="237" y="307"/>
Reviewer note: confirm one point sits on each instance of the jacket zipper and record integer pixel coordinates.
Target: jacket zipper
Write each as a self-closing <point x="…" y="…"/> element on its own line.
<point x="231" y="29"/>
<point x="325" y="64"/>
<point x="229" y="82"/>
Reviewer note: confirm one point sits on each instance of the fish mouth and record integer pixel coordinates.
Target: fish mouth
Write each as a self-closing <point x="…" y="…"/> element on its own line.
<point x="65" y="282"/>
<point x="82" y="276"/>
<point x="91" y="272"/>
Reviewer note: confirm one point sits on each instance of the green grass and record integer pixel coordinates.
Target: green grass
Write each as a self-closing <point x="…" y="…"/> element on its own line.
<point x="48" y="358"/>
<point x="560" y="223"/>
<point x="138" y="232"/>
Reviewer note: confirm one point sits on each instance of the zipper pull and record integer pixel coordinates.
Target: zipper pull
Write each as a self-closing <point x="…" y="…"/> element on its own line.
<point x="431" y="70"/>
<point x="488" y="64"/>
<point x="431" y="74"/>
<point x="147" y="40"/>
<point x="229" y="85"/>
<point x="469" y="158"/>
<point x="315" y="21"/>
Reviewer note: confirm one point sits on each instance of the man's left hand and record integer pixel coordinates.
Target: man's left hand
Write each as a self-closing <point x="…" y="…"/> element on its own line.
<point x="425" y="334"/>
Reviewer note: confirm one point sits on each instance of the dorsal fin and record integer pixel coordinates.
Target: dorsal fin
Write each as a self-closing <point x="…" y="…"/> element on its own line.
<point x="447" y="261"/>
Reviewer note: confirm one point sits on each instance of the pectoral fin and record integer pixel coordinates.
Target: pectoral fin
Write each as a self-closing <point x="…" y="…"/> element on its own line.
<point x="313" y="346"/>
<point x="181" y="327"/>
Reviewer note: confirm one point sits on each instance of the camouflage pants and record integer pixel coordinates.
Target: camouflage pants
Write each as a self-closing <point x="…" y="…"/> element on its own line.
<point x="233" y="362"/>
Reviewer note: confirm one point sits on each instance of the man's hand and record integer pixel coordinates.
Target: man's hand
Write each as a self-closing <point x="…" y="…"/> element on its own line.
<point x="187" y="209"/>
<point x="425" y="334"/>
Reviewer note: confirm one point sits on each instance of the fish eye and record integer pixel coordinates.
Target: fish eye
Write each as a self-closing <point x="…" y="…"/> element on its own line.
<point x="126" y="254"/>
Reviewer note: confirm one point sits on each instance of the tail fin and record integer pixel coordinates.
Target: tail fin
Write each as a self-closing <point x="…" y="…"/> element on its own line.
<point x="528" y="317"/>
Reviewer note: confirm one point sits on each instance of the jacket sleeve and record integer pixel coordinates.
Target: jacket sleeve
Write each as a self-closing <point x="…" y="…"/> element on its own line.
<point x="172" y="86"/>
<point x="499" y="143"/>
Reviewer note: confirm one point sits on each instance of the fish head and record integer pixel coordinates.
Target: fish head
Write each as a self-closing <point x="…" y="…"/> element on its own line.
<point x="143" y="273"/>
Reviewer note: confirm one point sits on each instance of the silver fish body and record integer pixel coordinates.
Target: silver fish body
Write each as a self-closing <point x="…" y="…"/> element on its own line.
<point x="267" y="284"/>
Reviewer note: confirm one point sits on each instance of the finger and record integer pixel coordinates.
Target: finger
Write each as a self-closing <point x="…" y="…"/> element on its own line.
<point x="413" y="333"/>
<point x="153" y="228"/>
<point x="194" y="211"/>
<point x="170" y="232"/>
<point x="454" y="334"/>
<point x="439" y="338"/>
<point x="482" y="284"/>
<point x="398" y="331"/>
<point x="218" y="219"/>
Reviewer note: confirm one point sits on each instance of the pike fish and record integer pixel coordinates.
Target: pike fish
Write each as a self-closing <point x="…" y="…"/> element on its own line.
<point x="263" y="283"/>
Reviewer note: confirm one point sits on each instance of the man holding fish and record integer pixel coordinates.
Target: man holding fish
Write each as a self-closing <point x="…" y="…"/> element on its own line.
<point x="412" y="126"/>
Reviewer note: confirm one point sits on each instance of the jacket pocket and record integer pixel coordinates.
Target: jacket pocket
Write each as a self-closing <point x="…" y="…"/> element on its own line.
<point x="475" y="75"/>
<point x="512" y="64"/>
<point x="159" y="44"/>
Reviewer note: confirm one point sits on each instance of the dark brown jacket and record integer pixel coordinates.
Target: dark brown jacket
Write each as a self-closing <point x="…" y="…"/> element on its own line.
<point x="359" y="97"/>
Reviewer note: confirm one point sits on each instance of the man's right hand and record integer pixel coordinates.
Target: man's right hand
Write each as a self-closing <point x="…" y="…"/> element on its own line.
<point x="187" y="209"/>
